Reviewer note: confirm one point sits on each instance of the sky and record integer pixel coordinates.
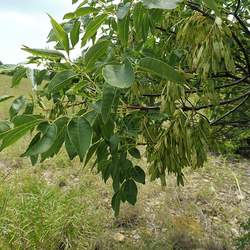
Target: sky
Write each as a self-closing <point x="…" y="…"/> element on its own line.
<point x="25" y="22"/>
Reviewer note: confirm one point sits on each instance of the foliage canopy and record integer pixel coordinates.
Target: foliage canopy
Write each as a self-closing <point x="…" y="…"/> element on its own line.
<point x="165" y="77"/>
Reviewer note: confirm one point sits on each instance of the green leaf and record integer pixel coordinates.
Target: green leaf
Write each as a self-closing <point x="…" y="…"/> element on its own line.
<point x="102" y="153"/>
<point x="123" y="30"/>
<point x="29" y="109"/>
<point x="92" y="150"/>
<point x="4" y="126"/>
<point x="25" y="118"/>
<point x="116" y="201"/>
<point x="90" y="117"/>
<point x="119" y="76"/>
<point x="80" y="12"/>
<point x="44" y="143"/>
<point x="74" y="34"/>
<point x="123" y="10"/>
<point x="69" y="15"/>
<point x="71" y="150"/>
<point x="114" y="143"/>
<point x="96" y="52"/>
<point x="11" y="136"/>
<point x="5" y="97"/>
<point x="126" y="167"/>
<point x="19" y="74"/>
<point x="35" y="76"/>
<point x="141" y="22"/>
<point x="161" y="69"/>
<point x="92" y="27"/>
<point x="45" y="53"/>
<point x="130" y="191"/>
<point x="17" y="105"/>
<point x="107" y="129"/>
<point x="80" y="134"/>
<point x="61" y="125"/>
<point x="60" y="80"/>
<point x="108" y="97"/>
<point x="161" y="4"/>
<point x="33" y="158"/>
<point x="60" y="33"/>
<point x="135" y="153"/>
<point x="138" y="174"/>
<point x="212" y="5"/>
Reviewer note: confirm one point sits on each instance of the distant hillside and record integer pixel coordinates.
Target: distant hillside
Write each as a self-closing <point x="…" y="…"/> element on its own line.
<point x="7" y="69"/>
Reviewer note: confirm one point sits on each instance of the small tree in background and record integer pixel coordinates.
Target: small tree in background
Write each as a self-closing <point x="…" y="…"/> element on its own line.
<point x="167" y="75"/>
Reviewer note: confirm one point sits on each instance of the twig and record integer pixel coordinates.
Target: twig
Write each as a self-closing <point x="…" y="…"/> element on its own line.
<point x="187" y="108"/>
<point x="196" y="7"/>
<point x="165" y="30"/>
<point x="239" y="123"/>
<point x="237" y="7"/>
<point x="243" y="51"/>
<point x="201" y="90"/>
<point x="75" y="104"/>
<point x="230" y="111"/>
<point x="243" y="25"/>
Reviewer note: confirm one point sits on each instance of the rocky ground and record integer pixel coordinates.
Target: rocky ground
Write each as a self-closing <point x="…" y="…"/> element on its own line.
<point x="205" y="214"/>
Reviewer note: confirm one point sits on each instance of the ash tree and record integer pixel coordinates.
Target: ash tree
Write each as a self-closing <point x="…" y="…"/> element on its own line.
<point x="162" y="78"/>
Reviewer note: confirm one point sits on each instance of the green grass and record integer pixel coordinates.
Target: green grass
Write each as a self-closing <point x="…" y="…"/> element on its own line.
<point x="38" y="216"/>
<point x="59" y="204"/>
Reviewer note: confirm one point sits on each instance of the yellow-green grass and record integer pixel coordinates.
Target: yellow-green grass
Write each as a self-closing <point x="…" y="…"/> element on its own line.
<point x="24" y="88"/>
<point x="59" y="204"/>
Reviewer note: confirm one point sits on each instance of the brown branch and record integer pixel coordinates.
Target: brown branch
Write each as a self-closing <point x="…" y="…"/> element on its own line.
<point x="143" y="108"/>
<point x="242" y="24"/>
<point x="237" y="7"/>
<point x="75" y="104"/>
<point x="165" y="30"/>
<point x="230" y="111"/>
<point x="243" y="50"/>
<point x="241" y="80"/>
<point x="222" y="86"/>
<point x="188" y="108"/>
<point x="197" y="8"/>
<point x="224" y="102"/>
<point x="239" y="123"/>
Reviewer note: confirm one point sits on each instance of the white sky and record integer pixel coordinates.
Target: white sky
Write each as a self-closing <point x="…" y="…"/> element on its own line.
<point x="25" y="22"/>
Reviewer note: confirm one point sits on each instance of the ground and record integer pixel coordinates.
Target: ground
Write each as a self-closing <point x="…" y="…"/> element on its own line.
<point x="60" y="204"/>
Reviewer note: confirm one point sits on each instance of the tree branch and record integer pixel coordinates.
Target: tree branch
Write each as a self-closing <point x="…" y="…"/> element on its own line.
<point x="196" y="7"/>
<point x="243" y="25"/>
<point x="143" y="108"/>
<point x="230" y="111"/>
<point x="239" y="123"/>
<point x="241" y="80"/>
<point x="165" y="30"/>
<point x="225" y="102"/>
<point x="243" y="51"/>
<point x="188" y="108"/>
<point x="237" y="7"/>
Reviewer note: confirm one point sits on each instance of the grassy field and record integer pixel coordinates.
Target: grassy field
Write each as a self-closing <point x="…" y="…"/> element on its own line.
<point x="62" y="205"/>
